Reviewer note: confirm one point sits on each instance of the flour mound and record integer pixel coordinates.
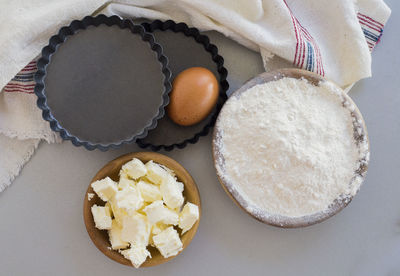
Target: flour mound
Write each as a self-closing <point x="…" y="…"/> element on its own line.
<point x="287" y="147"/>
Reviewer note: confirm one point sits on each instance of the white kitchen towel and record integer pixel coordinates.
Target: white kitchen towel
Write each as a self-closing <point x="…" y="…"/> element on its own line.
<point x="331" y="38"/>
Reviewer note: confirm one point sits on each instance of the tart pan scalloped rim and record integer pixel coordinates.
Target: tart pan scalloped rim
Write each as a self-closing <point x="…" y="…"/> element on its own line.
<point x="223" y="72"/>
<point x="70" y="30"/>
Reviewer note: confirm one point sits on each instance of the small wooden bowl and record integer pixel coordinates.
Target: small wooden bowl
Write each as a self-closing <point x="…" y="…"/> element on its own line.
<point x="280" y="220"/>
<point x="100" y="237"/>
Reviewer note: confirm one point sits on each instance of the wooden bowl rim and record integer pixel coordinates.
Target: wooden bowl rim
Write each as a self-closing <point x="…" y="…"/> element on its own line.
<point x="281" y="220"/>
<point x="190" y="187"/>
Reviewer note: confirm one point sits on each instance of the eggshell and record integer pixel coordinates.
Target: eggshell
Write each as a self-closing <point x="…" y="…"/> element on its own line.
<point x="194" y="94"/>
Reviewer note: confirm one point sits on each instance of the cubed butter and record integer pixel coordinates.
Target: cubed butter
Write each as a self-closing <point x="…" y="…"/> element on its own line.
<point x="136" y="254"/>
<point x="155" y="230"/>
<point x="141" y="209"/>
<point x="117" y="212"/>
<point x="188" y="216"/>
<point x="129" y="199"/>
<point x="105" y="188"/>
<point x="135" y="229"/>
<point x="108" y="205"/>
<point x="158" y="212"/>
<point x="149" y="191"/>
<point x="101" y="217"/>
<point x="171" y="191"/>
<point x="171" y="172"/>
<point x="156" y="173"/>
<point x="125" y="181"/>
<point x="115" y="237"/>
<point x="134" y="168"/>
<point x="180" y="186"/>
<point x="158" y="228"/>
<point x="168" y="242"/>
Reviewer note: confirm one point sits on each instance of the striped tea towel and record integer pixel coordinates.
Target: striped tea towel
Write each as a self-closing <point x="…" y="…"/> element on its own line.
<point x="331" y="38"/>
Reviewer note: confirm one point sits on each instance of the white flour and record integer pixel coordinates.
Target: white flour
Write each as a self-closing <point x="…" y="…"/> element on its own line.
<point x="287" y="147"/>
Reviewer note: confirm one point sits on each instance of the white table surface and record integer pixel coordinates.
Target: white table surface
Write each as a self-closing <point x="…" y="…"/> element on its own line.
<point x="42" y="230"/>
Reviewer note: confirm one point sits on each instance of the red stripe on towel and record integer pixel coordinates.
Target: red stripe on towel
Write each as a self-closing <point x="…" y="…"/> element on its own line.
<point x="296" y="34"/>
<point x="372" y="21"/>
<point x="366" y="23"/>
<point x="18" y="90"/>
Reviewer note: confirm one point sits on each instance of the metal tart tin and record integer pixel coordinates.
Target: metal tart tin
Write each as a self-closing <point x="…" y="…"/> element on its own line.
<point x="102" y="82"/>
<point x="185" y="47"/>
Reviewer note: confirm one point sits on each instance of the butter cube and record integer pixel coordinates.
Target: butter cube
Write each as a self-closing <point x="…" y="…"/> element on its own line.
<point x="129" y="199"/>
<point x="168" y="242"/>
<point x="188" y="216"/>
<point x="117" y="212"/>
<point x="115" y="236"/>
<point x="171" y="191"/>
<point x="137" y="255"/>
<point x="155" y="230"/>
<point x="158" y="212"/>
<point x="149" y="191"/>
<point x="180" y="186"/>
<point x="156" y="173"/>
<point x="135" y="229"/>
<point x="134" y="168"/>
<point x="102" y="217"/>
<point x="108" y="205"/>
<point x="125" y="181"/>
<point x="169" y="171"/>
<point x="105" y="188"/>
<point x="158" y="228"/>
<point x="123" y="174"/>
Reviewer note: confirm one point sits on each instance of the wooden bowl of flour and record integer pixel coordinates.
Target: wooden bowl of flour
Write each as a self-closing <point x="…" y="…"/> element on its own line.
<point x="360" y="138"/>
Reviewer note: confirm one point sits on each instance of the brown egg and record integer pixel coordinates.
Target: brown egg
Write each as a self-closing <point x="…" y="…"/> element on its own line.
<point x="193" y="96"/>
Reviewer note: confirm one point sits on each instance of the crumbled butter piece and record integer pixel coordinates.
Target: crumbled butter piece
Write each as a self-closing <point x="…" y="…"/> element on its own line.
<point x="168" y="242"/>
<point x="135" y="229"/>
<point x="90" y="196"/>
<point x="105" y="188"/>
<point x="102" y="217"/>
<point x="171" y="191"/>
<point x="188" y="216"/>
<point x="158" y="212"/>
<point x="156" y="173"/>
<point x="129" y="199"/>
<point x="134" y="168"/>
<point x="137" y="255"/>
<point x="149" y="191"/>
<point x="115" y="236"/>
